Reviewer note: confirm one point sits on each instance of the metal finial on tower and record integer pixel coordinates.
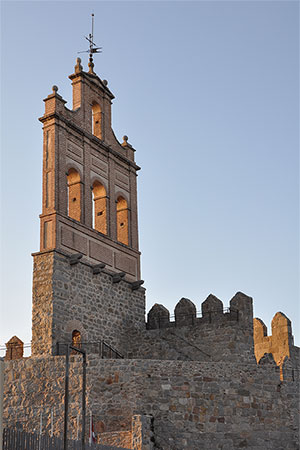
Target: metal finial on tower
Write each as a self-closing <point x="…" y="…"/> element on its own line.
<point x="92" y="49"/>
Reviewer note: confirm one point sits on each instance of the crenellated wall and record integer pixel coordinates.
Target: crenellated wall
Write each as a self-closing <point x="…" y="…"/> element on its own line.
<point x="218" y="335"/>
<point x="280" y="343"/>
<point x="14" y="349"/>
<point x="188" y="383"/>
<point x="212" y="309"/>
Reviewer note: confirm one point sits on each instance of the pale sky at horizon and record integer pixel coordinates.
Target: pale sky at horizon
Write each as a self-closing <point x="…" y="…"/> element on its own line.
<point x="208" y="93"/>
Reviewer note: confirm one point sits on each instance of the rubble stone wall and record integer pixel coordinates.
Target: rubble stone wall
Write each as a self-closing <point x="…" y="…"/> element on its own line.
<point x="216" y="336"/>
<point x="70" y="297"/>
<point x="221" y="340"/>
<point x="280" y="341"/>
<point x="119" y="439"/>
<point x="207" y="405"/>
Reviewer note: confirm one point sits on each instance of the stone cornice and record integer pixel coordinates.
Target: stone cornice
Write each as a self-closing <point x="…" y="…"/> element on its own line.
<point x="91" y="232"/>
<point x="89" y="136"/>
<point x="82" y="261"/>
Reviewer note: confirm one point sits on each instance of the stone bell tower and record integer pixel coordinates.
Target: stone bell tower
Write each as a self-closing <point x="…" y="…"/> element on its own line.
<point x="89" y="206"/>
<point x="89" y="178"/>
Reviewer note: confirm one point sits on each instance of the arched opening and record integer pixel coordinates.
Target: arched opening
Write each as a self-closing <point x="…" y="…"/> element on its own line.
<point x="76" y="338"/>
<point x="74" y="194"/>
<point x="122" y="220"/>
<point x="100" y="207"/>
<point x="96" y="121"/>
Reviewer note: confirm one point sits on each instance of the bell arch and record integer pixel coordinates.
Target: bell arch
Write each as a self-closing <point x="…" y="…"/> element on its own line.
<point x="122" y="220"/>
<point x="99" y="207"/>
<point x="74" y="194"/>
<point x="96" y="120"/>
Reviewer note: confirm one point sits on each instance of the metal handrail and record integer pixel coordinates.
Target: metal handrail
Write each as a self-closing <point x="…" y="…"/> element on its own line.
<point x="200" y="314"/>
<point x="102" y="348"/>
<point x="172" y="319"/>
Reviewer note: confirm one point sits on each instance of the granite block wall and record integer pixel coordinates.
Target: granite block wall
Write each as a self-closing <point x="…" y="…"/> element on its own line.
<point x="223" y="339"/>
<point x="218" y="335"/>
<point x="207" y="405"/>
<point x="68" y="297"/>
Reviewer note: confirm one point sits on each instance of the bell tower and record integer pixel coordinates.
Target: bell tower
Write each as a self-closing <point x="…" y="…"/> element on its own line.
<point x="89" y="178"/>
<point x="86" y="276"/>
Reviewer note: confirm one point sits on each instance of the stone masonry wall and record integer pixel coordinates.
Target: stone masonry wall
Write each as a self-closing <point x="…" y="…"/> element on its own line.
<point x="277" y="343"/>
<point x="280" y="343"/>
<point x="36" y="385"/>
<point x="221" y="340"/>
<point x="116" y="439"/>
<point x="70" y="297"/>
<point x="216" y="336"/>
<point x="207" y="405"/>
<point x="42" y="303"/>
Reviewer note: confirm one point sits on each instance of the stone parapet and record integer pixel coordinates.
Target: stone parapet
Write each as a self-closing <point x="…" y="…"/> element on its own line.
<point x="212" y="310"/>
<point x="279" y="343"/>
<point x="14" y="349"/>
<point x="181" y="319"/>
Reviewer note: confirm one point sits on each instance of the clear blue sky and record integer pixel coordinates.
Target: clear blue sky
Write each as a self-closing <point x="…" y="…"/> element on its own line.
<point x="208" y="94"/>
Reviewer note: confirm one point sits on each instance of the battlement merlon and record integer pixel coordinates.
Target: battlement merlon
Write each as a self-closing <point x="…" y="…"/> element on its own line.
<point x="280" y="343"/>
<point x="212" y="311"/>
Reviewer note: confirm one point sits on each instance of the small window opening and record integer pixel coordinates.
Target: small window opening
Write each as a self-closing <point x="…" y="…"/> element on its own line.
<point x="100" y="207"/>
<point x="76" y="338"/>
<point x="122" y="220"/>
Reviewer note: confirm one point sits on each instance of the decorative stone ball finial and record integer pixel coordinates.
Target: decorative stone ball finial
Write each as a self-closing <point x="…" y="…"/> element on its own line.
<point x="105" y="82"/>
<point x="91" y="66"/>
<point x="125" y="142"/>
<point x="78" y="67"/>
<point x="54" y="89"/>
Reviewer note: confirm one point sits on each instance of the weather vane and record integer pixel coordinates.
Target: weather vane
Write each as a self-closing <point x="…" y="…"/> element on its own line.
<point x="93" y="48"/>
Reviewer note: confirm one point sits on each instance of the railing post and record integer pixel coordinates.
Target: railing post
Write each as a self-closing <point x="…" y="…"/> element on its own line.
<point x="83" y="399"/>
<point x="66" y="400"/>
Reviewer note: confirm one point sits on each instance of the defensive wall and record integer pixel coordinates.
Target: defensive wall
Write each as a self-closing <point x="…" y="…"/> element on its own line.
<point x="219" y="333"/>
<point x="72" y="294"/>
<point x="174" y="404"/>
<point x="193" y="380"/>
<point x="280" y="343"/>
